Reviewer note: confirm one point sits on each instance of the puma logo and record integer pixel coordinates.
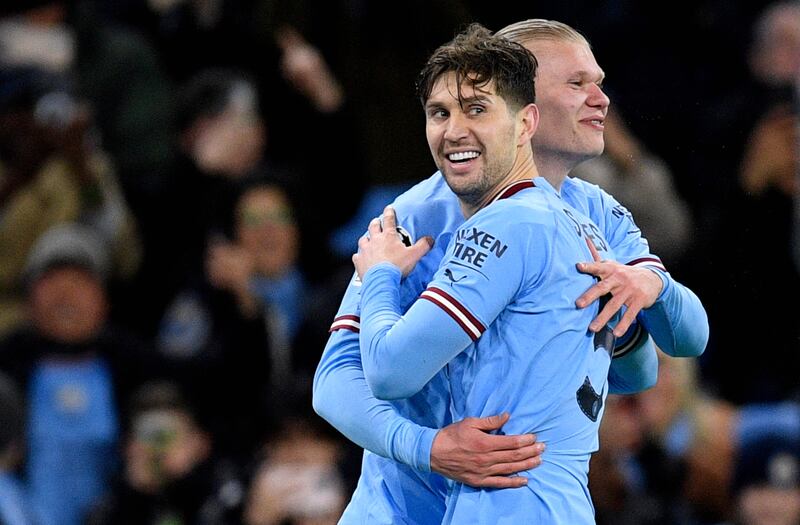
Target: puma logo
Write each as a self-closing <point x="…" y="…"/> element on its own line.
<point x="449" y="274"/>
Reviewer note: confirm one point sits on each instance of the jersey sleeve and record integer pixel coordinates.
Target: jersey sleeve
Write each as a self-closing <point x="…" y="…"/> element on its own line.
<point x="677" y="322"/>
<point x="339" y="383"/>
<point x="486" y="264"/>
<point x="635" y="370"/>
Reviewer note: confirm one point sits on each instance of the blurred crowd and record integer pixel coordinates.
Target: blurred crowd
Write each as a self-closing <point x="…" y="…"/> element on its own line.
<point x="182" y="183"/>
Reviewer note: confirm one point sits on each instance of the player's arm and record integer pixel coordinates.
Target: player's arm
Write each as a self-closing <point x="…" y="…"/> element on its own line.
<point x="668" y="310"/>
<point x="634" y="363"/>
<point x="401" y="353"/>
<point x="677" y="320"/>
<point x="464" y="451"/>
<point x="341" y="396"/>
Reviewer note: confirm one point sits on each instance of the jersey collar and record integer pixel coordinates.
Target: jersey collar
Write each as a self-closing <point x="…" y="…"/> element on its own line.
<point x="511" y="189"/>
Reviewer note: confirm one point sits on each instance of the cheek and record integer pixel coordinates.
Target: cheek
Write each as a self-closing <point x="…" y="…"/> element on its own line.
<point x="434" y="137"/>
<point x="92" y="301"/>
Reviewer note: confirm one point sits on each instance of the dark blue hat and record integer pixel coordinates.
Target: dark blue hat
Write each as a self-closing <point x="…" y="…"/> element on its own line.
<point x="772" y="461"/>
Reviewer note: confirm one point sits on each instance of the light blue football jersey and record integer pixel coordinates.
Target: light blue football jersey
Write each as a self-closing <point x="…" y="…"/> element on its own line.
<point x="388" y="491"/>
<point x="509" y="280"/>
<point x="395" y="484"/>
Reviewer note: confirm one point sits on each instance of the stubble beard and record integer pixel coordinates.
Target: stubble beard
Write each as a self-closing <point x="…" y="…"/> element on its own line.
<point x="470" y="192"/>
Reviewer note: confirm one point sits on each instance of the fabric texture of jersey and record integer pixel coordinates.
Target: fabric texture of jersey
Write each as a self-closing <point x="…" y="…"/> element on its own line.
<point x="390" y="492"/>
<point x="509" y="280"/>
<point x="403" y="430"/>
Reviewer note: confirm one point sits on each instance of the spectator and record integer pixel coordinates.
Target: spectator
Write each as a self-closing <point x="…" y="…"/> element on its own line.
<point x="119" y="74"/>
<point x="15" y="505"/>
<point x="74" y="367"/>
<point x="766" y="483"/>
<point x="218" y="347"/>
<point x="170" y="473"/>
<point x="52" y="173"/>
<point x="298" y="481"/>
<point x="748" y="138"/>
<point x="260" y="269"/>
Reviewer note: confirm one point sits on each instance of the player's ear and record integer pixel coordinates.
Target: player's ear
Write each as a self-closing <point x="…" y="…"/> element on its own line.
<point x="528" y="117"/>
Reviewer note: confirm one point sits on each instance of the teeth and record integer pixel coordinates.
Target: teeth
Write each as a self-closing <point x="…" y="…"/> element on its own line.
<point x="463" y="155"/>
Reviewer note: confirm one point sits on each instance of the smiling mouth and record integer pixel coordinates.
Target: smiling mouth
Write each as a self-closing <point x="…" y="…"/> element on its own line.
<point x="462" y="156"/>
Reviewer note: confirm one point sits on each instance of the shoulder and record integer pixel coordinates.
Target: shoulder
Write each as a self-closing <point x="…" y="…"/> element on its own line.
<point x="593" y="200"/>
<point x="577" y="188"/>
<point x="528" y="207"/>
<point x="428" y="208"/>
<point x="420" y="198"/>
<point x="527" y="217"/>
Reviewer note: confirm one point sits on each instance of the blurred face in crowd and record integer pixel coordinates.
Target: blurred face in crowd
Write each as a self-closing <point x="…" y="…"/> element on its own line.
<point x="571" y="102"/>
<point x="775" y="53"/>
<point x="474" y="141"/>
<point x="266" y="228"/>
<point x="68" y="304"/>
<point x="298" y="482"/>
<point x="764" y="505"/>
<point x="230" y="144"/>
<point x="165" y="445"/>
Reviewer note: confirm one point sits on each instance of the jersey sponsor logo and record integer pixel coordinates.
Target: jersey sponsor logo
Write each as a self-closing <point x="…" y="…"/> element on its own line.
<point x="474" y="247"/>
<point x="587" y="229"/>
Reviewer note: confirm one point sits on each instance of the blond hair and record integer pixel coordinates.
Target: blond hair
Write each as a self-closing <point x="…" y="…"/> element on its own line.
<point x="541" y="29"/>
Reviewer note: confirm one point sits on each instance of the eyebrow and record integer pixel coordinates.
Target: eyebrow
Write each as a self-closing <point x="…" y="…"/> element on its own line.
<point x="586" y="74"/>
<point x="483" y="99"/>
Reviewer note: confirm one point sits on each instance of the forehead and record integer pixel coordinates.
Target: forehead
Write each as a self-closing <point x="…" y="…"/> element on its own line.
<point x="563" y="58"/>
<point x="446" y="89"/>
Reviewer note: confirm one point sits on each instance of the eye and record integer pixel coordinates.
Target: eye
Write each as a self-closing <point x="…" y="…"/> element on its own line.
<point x="437" y="113"/>
<point x="476" y="110"/>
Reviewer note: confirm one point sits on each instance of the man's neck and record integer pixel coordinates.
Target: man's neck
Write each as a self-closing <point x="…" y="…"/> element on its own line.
<point x="523" y="169"/>
<point x="555" y="170"/>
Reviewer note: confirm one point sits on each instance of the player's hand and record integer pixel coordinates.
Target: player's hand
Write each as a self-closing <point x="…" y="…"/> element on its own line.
<point x="636" y="288"/>
<point x="383" y="244"/>
<point x="466" y="452"/>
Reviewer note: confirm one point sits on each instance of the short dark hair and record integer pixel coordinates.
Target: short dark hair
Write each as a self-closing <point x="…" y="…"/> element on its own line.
<point x="213" y="90"/>
<point x="477" y="56"/>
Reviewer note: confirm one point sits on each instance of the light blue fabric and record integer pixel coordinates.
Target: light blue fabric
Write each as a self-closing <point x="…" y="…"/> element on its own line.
<point x="73" y="431"/>
<point x="286" y="295"/>
<point x="15" y="505"/>
<point x="403" y="430"/>
<point x="500" y="313"/>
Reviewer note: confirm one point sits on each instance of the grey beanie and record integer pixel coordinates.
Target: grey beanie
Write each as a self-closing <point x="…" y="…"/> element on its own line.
<point x="67" y="244"/>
